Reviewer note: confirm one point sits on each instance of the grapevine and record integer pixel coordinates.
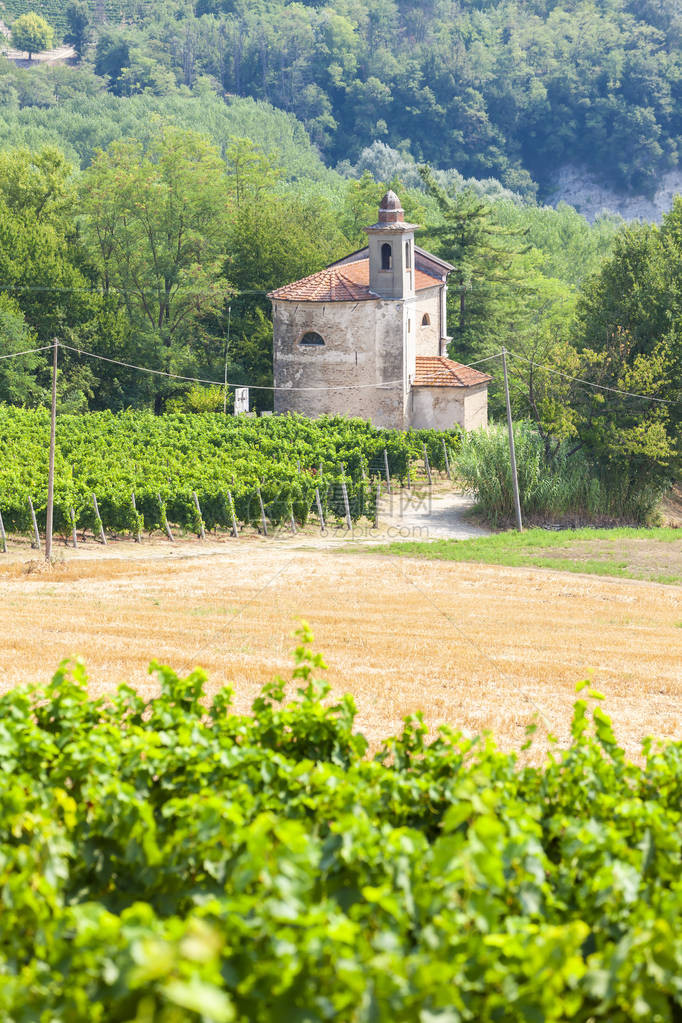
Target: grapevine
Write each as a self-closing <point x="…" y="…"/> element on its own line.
<point x="164" y="460"/>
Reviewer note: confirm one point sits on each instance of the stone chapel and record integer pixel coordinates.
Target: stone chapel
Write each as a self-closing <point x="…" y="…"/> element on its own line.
<point x="368" y="337"/>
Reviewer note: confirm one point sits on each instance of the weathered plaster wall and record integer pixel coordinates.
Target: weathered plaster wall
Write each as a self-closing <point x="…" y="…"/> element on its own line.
<point x="476" y="407"/>
<point x="437" y="408"/>
<point x="428" y="337"/>
<point x="363" y="346"/>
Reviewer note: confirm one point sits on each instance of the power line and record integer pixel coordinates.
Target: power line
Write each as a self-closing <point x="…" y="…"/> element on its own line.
<point x="219" y="383"/>
<point x="590" y="383"/>
<point x="29" y="351"/>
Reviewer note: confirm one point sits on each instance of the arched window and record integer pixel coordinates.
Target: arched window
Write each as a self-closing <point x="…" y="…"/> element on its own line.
<point x="311" y="339"/>
<point x="426" y="320"/>
<point x="408" y="255"/>
<point x="386" y="257"/>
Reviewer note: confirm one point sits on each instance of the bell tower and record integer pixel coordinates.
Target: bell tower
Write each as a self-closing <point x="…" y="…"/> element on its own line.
<point x="391" y="251"/>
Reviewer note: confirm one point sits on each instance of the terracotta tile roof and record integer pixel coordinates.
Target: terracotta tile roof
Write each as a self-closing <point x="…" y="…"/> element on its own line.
<point x="437" y="371"/>
<point x="345" y="282"/>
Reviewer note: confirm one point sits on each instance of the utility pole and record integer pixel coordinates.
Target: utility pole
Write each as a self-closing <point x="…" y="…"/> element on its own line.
<point x="50" y="477"/>
<point x="227" y="346"/>
<point x="512" y="452"/>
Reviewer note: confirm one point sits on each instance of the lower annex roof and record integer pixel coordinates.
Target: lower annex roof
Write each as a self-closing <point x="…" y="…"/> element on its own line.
<point x="439" y="371"/>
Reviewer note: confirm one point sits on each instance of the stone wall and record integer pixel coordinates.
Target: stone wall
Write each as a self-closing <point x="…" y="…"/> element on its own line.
<point x="427" y="303"/>
<point x="363" y="346"/>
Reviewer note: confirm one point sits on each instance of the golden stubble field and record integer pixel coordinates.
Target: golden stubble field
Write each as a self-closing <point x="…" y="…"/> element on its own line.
<point x="471" y="645"/>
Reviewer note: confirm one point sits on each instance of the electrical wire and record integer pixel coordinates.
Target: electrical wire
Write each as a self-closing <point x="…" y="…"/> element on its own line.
<point x="590" y="383"/>
<point x="29" y="351"/>
<point x="220" y="383"/>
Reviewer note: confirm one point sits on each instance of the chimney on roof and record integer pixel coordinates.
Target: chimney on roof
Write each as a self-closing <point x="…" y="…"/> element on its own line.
<point x="391" y="251"/>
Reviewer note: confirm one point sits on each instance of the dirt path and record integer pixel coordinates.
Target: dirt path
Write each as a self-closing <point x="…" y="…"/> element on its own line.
<point x="439" y="513"/>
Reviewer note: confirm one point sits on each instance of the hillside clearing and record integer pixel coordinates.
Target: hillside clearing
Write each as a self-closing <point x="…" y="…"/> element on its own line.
<point x="471" y="645"/>
<point x="649" y="554"/>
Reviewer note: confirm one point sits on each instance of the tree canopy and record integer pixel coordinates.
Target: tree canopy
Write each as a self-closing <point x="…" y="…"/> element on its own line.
<point x="32" y="33"/>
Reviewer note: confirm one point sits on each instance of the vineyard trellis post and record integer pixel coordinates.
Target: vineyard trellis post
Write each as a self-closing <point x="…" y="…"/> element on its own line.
<point x="50" y="473"/>
<point x="447" y="460"/>
<point x="74" y="536"/>
<point x="512" y="451"/>
<point x="3" y="538"/>
<point x="426" y="463"/>
<point x="98" y="518"/>
<point x="138" y="534"/>
<point x="235" y="531"/>
<point x="320" y="514"/>
<point x="388" y="475"/>
<point x="202" y="531"/>
<point x="164" y="517"/>
<point x="263" y="519"/>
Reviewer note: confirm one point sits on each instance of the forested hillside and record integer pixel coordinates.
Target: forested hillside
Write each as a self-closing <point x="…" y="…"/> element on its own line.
<point x="510" y="89"/>
<point x="272" y="131"/>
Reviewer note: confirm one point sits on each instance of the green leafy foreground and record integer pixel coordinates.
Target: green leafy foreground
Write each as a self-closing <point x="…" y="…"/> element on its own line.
<point x="171" y="860"/>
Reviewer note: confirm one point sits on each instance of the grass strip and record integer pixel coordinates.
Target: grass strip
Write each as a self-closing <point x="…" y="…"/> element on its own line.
<point x="582" y="550"/>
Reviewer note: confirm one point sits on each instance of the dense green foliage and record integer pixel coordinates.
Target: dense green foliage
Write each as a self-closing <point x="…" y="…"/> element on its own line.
<point x="32" y="34"/>
<point x="170" y="860"/>
<point x="163" y="460"/>
<point x="512" y="89"/>
<point x="566" y="487"/>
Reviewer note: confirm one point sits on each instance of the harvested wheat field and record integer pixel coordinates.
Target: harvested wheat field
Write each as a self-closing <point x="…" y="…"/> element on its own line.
<point x="474" y="646"/>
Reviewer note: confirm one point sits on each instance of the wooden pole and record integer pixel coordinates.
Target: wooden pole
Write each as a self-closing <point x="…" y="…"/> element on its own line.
<point x="50" y="474"/>
<point x="138" y="537"/>
<point x="376" y="506"/>
<point x="320" y="515"/>
<point x="512" y="451"/>
<point x="426" y="464"/>
<point x="202" y="532"/>
<point x="262" y="514"/>
<point x="447" y="460"/>
<point x="3" y="538"/>
<point x="235" y="531"/>
<point x="388" y="475"/>
<point x="346" y="505"/>
<point x="166" y="523"/>
<point x="74" y="537"/>
<point x="409" y="481"/>
<point x="36" y="534"/>
<point x="227" y="346"/>
<point x="99" y="519"/>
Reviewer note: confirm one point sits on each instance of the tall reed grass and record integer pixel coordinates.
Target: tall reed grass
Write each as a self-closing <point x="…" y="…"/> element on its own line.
<point x="568" y="488"/>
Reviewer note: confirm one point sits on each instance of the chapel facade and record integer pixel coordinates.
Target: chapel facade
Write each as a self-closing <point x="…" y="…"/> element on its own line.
<point x="368" y="337"/>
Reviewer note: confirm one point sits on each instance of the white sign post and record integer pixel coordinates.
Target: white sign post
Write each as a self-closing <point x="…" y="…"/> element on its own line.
<point x="241" y="400"/>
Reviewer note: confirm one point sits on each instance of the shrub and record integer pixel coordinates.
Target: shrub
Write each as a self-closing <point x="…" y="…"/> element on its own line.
<point x="568" y="487"/>
<point x="169" y="860"/>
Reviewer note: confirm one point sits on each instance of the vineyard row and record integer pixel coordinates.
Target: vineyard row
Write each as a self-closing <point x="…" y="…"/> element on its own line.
<point x="133" y="471"/>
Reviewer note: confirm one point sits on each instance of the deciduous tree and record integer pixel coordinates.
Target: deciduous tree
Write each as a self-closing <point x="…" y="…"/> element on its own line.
<point x="32" y="34"/>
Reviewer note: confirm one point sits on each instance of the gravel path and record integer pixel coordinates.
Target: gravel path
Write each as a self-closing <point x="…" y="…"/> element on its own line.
<point x="437" y="515"/>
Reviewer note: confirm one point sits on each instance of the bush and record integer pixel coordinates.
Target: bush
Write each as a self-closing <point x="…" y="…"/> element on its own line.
<point x="169" y="860"/>
<point x="569" y="488"/>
